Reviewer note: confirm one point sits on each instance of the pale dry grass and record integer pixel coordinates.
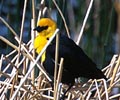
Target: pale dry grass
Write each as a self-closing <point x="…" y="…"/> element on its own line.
<point x="21" y="83"/>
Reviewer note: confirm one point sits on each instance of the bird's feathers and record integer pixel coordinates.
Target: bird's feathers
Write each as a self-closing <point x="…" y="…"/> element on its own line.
<point x="76" y="62"/>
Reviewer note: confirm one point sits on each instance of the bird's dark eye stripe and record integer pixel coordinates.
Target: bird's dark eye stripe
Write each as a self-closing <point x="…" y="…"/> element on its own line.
<point x="44" y="27"/>
<point x="40" y="29"/>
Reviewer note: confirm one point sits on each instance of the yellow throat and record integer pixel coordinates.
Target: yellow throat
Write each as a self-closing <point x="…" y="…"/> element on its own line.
<point x="45" y="28"/>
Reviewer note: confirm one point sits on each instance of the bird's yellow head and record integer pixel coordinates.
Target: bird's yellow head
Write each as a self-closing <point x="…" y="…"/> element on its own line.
<point x="45" y="28"/>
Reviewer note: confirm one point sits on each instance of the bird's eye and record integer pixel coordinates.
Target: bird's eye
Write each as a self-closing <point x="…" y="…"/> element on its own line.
<point x="40" y="28"/>
<point x="47" y="38"/>
<point x="44" y="27"/>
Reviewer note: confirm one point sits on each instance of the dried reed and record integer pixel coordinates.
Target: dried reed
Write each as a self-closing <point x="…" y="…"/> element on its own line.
<point x="22" y="84"/>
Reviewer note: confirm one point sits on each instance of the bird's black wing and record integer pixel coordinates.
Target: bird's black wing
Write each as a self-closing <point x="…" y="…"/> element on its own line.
<point x="76" y="62"/>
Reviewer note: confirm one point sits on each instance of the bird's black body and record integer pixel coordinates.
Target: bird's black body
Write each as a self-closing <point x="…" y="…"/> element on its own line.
<point x="76" y="62"/>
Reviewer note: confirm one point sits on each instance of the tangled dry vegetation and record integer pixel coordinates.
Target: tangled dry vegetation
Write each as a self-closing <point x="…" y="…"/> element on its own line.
<point x="28" y="80"/>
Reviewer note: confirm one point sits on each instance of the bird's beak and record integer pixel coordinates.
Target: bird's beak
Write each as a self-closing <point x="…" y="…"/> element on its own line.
<point x="35" y="29"/>
<point x="40" y="29"/>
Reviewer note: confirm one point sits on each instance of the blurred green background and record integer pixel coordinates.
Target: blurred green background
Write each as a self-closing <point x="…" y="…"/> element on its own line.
<point x="100" y="37"/>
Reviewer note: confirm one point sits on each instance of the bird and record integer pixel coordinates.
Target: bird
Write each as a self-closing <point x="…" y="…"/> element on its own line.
<point x="76" y="62"/>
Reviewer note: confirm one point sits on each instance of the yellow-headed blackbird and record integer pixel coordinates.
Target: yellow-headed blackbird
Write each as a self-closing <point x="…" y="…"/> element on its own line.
<point x="76" y="62"/>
